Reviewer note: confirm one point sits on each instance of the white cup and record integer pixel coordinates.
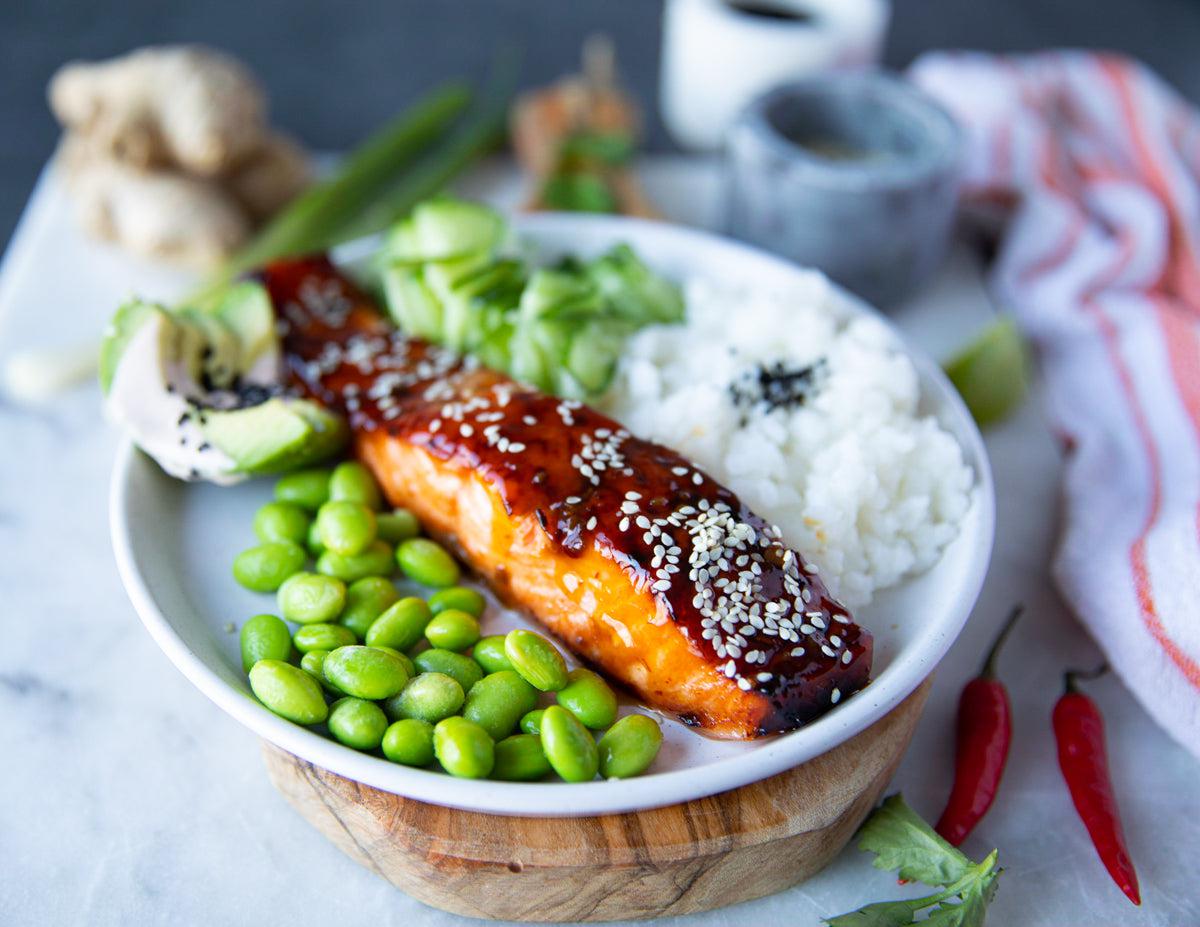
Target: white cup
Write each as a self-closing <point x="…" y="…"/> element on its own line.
<point x="717" y="57"/>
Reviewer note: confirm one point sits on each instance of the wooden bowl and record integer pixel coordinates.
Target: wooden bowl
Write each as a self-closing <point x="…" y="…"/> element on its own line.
<point x="679" y="859"/>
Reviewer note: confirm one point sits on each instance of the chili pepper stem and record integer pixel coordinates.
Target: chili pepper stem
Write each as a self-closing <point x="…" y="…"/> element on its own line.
<point x="989" y="662"/>
<point x="1071" y="677"/>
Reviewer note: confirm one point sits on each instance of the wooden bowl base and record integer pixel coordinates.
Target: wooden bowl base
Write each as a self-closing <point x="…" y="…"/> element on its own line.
<point x="680" y="859"/>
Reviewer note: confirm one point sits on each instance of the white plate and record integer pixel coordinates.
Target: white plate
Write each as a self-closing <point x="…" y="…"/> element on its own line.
<point x="175" y="541"/>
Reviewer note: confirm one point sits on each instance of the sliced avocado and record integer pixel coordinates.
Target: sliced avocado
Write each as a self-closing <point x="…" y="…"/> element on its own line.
<point x="329" y="433"/>
<point x="276" y="435"/>
<point x="246" y="310"/>
<point x="124" y="325"/>
<point x="220" y="354"/>
<point x="445" y="229"/>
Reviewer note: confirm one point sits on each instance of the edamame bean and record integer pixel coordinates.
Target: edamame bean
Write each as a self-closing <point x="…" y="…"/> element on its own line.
<point x="464" y="749"/>
<point x="489" y="653"/>
<point x="568" y="745"/>
<point x="519" y="758"/>
<point x="588" y="697"/>
<point x="430" y="697"/>
<point x="313" y="541"/>
<point x="322" y="636"/>
<point x="310" y="598"/>
<point x="452" y="630"/>
<point x="397" y="525"/>
<point x="265" y="567"/>
<point x="288" y="691"/>
<point x="265" y="637"/>
<point x="531" y="721"/>
<point x="373" y="561"/>
<point x="459" y="597"/>
<point x="629" y="747"/>
<point x="401" y="625"/>
<point x="536" y="659"/>
<point x="366" y="600"/>
<point x="308" y="489"/>
<point x="313" y="662"/>
<point x="352" y="482"/>
<point x="497" y="702"/>
<point x="365" y="672"/>
<point x="427" y="562"/>
<point x="462" y="669"/>
<point x="357" y="723"/>
<point x="409" y="741"/>
<point x="346" y="527"/>
<point x="281" y="521"/>
<point x="403" y="658"/>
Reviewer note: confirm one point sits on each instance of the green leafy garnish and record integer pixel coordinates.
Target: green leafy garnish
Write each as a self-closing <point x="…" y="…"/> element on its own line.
<point x="902" y="841"/>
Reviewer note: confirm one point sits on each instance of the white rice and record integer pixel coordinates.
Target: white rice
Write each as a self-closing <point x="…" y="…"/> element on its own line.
<point x="857" y="480"/>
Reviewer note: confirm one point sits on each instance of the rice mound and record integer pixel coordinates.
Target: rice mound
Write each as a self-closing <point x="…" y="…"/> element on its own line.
<point x="858" y="482"/>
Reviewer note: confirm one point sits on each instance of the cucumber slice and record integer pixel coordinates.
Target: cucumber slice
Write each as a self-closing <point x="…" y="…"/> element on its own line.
<point x="635" y="292"/>
<point x="445" y="229"/>
<point x="410" y="303"/>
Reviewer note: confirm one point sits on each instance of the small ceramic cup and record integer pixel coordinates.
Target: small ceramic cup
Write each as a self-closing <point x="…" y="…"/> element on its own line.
<point x="856" y="175"/>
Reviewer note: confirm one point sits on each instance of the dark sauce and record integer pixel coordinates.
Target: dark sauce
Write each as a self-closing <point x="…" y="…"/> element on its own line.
<point x="772" y="11"/>
<point x="587" y="482"/>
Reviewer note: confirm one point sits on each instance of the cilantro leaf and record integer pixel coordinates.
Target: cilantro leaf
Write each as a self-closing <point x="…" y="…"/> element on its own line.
<point x="902" y="840"/>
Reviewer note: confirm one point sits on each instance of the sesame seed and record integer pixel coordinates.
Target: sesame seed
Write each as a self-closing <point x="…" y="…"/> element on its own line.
<point x="835" y="696"/>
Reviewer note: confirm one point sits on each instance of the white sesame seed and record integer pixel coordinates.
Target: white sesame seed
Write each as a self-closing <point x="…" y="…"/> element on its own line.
<point x="834" y="696"/>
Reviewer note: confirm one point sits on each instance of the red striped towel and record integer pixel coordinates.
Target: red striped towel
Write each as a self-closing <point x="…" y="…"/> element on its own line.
<point x="1100" y="162"/>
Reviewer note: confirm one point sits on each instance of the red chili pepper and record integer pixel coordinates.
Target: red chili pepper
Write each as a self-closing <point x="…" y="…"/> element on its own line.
<point x="982" y="739"/>
<point x="1079" y="730"/>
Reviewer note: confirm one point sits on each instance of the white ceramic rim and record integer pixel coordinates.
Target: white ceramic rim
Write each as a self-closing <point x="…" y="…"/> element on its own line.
<point x="850" y="717"/>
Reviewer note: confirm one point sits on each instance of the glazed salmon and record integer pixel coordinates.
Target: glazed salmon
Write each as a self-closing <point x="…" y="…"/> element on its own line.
<point x="638" y="561"/>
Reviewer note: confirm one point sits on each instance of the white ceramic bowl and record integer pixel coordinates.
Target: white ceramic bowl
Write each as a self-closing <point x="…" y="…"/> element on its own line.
<point x="175" y="541"/>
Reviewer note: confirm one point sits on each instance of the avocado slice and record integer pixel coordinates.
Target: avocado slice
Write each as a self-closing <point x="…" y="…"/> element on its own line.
<point x="275" y="435"/>
<point x="125" y="323"/>
<point x="216" y="348"/>
<point x="246" y="310"/>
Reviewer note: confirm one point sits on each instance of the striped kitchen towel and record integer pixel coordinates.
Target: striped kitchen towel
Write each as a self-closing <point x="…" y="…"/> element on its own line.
<point x="1099" y="162"/>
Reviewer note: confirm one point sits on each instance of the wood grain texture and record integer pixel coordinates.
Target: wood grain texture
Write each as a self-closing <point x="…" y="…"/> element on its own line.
<point x="683" y="858"/>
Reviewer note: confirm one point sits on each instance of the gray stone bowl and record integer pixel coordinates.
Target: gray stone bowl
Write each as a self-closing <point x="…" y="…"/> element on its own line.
<point x="854" y="174"/>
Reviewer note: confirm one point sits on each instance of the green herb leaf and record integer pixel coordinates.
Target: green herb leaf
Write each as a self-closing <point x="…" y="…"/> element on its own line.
<point x="902" y="840"/>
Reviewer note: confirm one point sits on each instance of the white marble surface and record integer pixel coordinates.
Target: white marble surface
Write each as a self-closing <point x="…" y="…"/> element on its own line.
<point x="129" y="799"/>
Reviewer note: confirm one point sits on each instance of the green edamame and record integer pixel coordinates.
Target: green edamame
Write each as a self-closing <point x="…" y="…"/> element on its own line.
<point x="427" y="562"/>
<point x="313" y="663"/>
<point x="282" y="521"/>
<point x="430" y="697"/>
<point x="498" y="701"/>
<point x="352" y="482"/>
<point x="404" y="658"/>
<point x="519" y="758"/>
<point x="489" y="653"/>
<point x="288" y="691"/>
<point x="375" y="560"/>
<point x="265" y="568"/>
<point x="629" y="747"/>
<point x="357" y="723"/>
<point x="531" y="721"/>
<point x="462" y="669"/>
<point x="462" y="598"/>
<point x="308" y="489"/>
<point x="310" y="598"/>
<point x="589" y="698"/>
<point x="452" y="630"/>
<point x="264" y="637"/>
<point x="569" y="745"/>
<point x="365" y="672"/>
<point x="313" y="540"/>
<point x="397" y="525"/>
<point x="346" y="528"/>
<point x="366" y="600"/>
<point x="464" y="749"/>
<point x="409" y="741"/>
<point x="322" y="636"/>
<point x="401" y="625"/>
<point x="536" y="659"/>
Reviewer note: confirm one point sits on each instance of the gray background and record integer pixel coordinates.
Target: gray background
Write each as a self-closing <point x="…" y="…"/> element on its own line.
<point x="336" y="70"/>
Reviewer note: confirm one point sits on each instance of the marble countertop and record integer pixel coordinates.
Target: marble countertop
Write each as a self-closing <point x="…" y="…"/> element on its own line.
<point x="130" y="799"/>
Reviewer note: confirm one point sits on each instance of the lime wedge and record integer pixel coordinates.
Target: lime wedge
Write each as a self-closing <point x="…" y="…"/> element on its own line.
<point x="991" y="373"/>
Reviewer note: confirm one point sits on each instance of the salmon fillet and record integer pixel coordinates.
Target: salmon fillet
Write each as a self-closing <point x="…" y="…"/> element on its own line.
<point x="638" y="561"/>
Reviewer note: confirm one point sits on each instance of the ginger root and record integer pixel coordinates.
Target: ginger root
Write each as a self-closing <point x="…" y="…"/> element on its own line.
<point x="172" y="106"/>
<point x="167" y="152"/>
